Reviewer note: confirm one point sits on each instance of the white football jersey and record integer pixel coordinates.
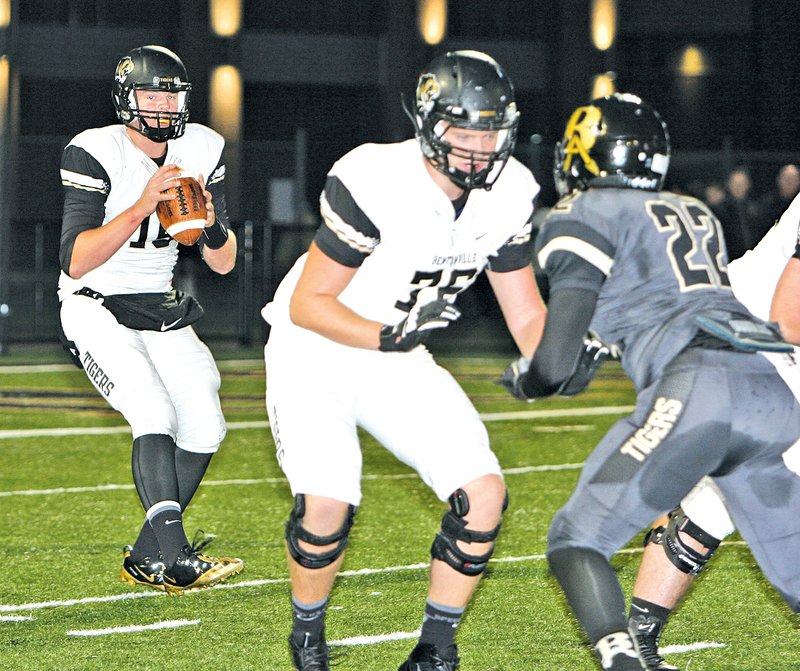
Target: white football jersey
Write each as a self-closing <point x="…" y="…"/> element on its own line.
<point x="383" y="213"/>
<point x="755" y="275"/>
<point x="102" y="169"/>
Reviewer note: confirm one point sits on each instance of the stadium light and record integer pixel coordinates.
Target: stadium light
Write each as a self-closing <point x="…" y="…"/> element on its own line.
<point x="604" y="23"/>
<point x="604" y="85"/>
<point x="693" y="62"/>
<point x="225" y="17"/>
<point x="432" y="20"/>
<point x="225" y="107"/>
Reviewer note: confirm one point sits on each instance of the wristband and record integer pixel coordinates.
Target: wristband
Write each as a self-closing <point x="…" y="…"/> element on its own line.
<point x="215" y="236"/>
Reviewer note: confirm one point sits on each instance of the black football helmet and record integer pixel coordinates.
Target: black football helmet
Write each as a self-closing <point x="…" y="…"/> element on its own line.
<point x="613" y="141"/>
<point x="465" y="89"/>
<point x="151" y="68"/>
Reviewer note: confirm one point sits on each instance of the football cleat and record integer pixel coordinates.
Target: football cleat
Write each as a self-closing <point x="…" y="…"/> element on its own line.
<point x="646" y="632"/>
<point x="193" y="570"/>
<point x="148" y="572"/>
<point x="648" y="651"/>
<point x="426" y="657"/>
<point x="310" y="657"/>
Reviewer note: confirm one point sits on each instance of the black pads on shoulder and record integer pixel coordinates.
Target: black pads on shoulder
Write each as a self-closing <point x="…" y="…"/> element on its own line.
<point x="685" y="558"/>
<point x="454" y="528"/>
<point x="295" y="532"/>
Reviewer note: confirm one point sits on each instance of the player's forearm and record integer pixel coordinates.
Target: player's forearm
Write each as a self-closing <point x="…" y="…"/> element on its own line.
<point x="95" y="246"/>
<point x="332" y="319"/>
<point x="785" y="308"/>
<point x="222" y="260"/>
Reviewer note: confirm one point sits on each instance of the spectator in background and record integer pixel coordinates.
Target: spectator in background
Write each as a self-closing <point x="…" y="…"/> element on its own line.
<point x="713" y="195"/>
<point x="739" y="213"/>
<point x="777" y="201"/>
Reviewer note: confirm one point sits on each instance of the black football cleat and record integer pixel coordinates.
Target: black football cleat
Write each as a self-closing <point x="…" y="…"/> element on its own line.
<point x="310" y="657"/>
<point x="193" y="570"/>
<point x="426" y="657"/>
<point x="148" y="572"/>
<point x="646" y="632"/>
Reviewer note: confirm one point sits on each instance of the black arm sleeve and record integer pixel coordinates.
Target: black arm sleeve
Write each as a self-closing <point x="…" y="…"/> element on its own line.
<point x="86" y="187"/>
<point x="569" y="313"/>
<point x="215" y="184"/>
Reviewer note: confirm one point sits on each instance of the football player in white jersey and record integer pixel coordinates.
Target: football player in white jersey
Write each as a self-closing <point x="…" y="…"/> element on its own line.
<point x="767" y="281"/>
<point x="406" y="227"/>
<point x="123" y="321"/>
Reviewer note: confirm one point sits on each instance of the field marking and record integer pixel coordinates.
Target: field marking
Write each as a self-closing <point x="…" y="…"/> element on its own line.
<point x="15" y="618"/>
<point x="263" y="424"/>
<point x="380" y="638"/>
<point x="133" y="628"/>
<point x="691" y="647"/>
<point x="14" y="608"/>
<point x="518" y="470"/>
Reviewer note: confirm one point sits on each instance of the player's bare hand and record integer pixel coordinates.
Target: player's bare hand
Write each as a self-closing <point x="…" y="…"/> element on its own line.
<point x="211" y="215"/>
<point x="157" y="187"/>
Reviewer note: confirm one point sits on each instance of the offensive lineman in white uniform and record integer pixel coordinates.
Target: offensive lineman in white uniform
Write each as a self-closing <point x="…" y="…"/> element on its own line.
<point x="767" y="281"/>
<point x="404" y="232"/>
<point x="123" y="321"/>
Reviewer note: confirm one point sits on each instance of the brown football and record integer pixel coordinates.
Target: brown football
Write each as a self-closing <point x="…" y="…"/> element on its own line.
<point x="184" y="218"/>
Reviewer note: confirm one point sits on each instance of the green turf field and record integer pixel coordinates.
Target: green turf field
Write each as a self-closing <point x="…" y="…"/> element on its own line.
<point x="67" y="506"/>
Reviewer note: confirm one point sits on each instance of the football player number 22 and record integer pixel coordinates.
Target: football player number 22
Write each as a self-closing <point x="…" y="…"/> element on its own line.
<point x="694" y="248"/>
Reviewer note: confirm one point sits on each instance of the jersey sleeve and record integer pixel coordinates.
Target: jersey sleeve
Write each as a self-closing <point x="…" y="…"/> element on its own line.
<point x="347" y="234"/>
<point x="516" y="252"/>
<point x="573" y="255"/>
<point x="86" y="187"/>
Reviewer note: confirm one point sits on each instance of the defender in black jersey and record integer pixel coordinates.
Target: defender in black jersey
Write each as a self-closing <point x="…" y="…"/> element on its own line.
<point x="645" y="272"/>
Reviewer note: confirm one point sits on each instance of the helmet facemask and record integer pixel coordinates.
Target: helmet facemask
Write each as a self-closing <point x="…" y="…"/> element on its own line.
<point x="159" y="125"/>
<point x="439" y="152"/>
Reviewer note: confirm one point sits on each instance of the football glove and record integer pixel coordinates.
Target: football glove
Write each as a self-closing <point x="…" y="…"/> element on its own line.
<point x="592" y="356"/>
<point x="511" y="378"/>
<point x="416" y="327"/>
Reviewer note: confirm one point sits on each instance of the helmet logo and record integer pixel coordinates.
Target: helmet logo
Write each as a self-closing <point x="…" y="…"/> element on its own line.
<point x="428" y="91"/>
<point x="580" y="137"/>
<point x="124" y="68"/>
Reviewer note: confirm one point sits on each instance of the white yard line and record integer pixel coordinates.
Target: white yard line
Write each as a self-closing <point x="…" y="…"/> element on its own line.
<point x="133" y="628"/>
<point x="518" y="470"/>
<point x="243" y="584"/>
<point x="263" y="424"/>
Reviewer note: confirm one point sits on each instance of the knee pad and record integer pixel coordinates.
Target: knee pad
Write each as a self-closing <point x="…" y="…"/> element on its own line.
<point x="684" y="558"/>
<point x="445" y="545"/>
<point x="295" y="532"/>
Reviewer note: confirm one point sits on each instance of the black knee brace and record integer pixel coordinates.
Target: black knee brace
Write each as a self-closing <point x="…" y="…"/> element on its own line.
<point x="295" y="531"/>
<point x="445" y="546"/>
<point x="685" y="558"/>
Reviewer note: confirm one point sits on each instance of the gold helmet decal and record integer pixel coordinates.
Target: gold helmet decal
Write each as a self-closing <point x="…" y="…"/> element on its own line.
<point x="124" y="68"/>
<point x="580" y="137"/>
<point x="428" y="91"/>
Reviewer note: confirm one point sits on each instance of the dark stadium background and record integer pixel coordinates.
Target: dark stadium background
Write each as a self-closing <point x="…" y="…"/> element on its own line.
<point x="320" y="76"/>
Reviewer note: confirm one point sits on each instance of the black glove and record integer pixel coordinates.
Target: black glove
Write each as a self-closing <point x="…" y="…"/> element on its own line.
<point x="511" y="378"/>
<point x="592" y="356"/>
<point x="416" y="327"/>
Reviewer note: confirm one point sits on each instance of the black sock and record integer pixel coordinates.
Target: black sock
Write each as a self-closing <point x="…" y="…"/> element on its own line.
<point x="647" y="617"/>
<point x="308" y="621"/>
<point x="168" y="530"/>
<point x="190" y="467"/>
<point x="439" y="624"/>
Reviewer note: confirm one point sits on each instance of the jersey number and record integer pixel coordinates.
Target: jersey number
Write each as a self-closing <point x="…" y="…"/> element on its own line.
<point x="456" y="280"/>
<point x="161" y="240"/>
<point x="694" y="247"/>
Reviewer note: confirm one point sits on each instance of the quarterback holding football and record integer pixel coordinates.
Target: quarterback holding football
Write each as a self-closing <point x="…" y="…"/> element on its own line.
<point x="122" y="319"/>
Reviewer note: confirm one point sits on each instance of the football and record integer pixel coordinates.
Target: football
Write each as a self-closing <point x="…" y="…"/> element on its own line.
<point x="184" y="218"/>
